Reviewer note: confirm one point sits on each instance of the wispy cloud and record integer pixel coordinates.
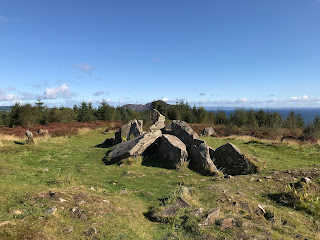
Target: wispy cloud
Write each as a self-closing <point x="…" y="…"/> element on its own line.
<point x="9" y="97"/>
<point x="3" y="19"/>
<point x="202" y="94"/>
<point x="84" y="67"/>
<point x="27" y="95"/>
<point x="98" y="93"/>
<point x="62" y="91"/>
<point x="303" y="98"/>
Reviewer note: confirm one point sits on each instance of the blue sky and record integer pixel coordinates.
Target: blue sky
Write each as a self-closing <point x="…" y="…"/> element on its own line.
<point x="248" y="53"/>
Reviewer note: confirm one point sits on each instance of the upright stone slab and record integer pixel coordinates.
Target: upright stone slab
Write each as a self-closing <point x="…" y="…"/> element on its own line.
<point x="29" y="137"/>
<point x="157" y="121"/>
<point x="132" y="129"/>
<point x="131" y="148"/>
<point x="172" y="150"/>
<point x="233" y="162"/>
<point x="198" y="150"/>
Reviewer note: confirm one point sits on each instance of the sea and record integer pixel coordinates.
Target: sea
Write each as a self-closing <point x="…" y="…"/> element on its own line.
<point x="308" y="114"/>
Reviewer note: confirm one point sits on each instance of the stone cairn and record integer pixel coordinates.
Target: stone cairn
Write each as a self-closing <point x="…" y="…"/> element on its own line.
<point x="178" y="145"/>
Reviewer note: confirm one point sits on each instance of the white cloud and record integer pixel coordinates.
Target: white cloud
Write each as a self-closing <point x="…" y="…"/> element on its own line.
<point x="62" y="91"/>
<point x="305" y="98"/>
<point x="84" y="67"/>
<point x="165" y="99"/>
<point x="3" y="19"/>
<point x="243" y="99"/>
<point x="8" y="97"/>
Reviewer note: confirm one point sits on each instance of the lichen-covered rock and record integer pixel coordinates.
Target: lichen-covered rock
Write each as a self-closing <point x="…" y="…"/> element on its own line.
<point x="198" y="150"/>
<point x="229" y="158"/>
<point x="172" y="150"/>
<point x="200" y="160"/>
<point x="128" y="131"/>
<point x="131" y="148"/>
<point x="157" y="121"/>
<point x="208" y="131"/>
<point x="183" y="131"/>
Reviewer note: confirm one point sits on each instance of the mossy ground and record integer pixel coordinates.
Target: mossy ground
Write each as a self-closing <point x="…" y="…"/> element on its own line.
<point x="71" y="168"/>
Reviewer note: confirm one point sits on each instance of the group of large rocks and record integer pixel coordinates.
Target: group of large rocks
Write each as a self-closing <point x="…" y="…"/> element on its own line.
<point x="177" y="145"/>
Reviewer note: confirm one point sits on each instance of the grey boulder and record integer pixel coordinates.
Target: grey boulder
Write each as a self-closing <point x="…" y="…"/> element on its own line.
<point x="229" y="158"/>
<point x="208" y="131"/>
<point x="132" y="129"/>
<point x="157" y="121"/>
<point x="172" y="150"/>
<point x="131" y="148"/>
<point x="198" y="150"/>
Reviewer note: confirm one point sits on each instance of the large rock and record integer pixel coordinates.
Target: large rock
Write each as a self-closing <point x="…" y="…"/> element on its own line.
<point x="183" y="131"/>
<point x="172" y="150"/>
<point x="229" y="158"/>
<point x="130" y="130"/>
<point x="131" y="148"/>
<point x="208" y="131"/>
<point x="157" y="121"/>
<point x="200" y="160"/>
<point x="198" y="150"/>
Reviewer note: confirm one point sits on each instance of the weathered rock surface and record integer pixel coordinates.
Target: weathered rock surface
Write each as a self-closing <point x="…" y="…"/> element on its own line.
<point x="29" y="135"/>
<point x="198" y="150"/>
<point x="43" y="132"/>
<point x="212" y="216"/>
<point x="172" y="150"/>
<point x="229" y="158"/>
<point x="200" y="159"/>
<point x="132" y="129"/>
<point x="183" y="131"/>
<point x="167" y="129"/>
<point x="157" y="121"/>
<point x="171" y="210"/>
<point x="208" y="131"/>
<point x="131" y="148"/>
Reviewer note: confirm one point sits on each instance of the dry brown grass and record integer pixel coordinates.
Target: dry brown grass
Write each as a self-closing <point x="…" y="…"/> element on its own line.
<point x="83" y="130"/>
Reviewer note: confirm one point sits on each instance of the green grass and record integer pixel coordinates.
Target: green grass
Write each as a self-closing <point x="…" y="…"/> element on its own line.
<point x="72" y="168"/>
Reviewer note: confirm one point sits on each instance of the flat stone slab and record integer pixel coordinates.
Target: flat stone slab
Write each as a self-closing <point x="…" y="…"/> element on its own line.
<point x="131" y="148"/>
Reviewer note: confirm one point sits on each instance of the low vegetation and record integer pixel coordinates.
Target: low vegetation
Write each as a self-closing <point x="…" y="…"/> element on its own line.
<point x="59" y="188"/>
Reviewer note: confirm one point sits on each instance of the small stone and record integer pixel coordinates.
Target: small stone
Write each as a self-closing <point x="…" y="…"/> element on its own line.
<point x="211" y="217"/>
<point x="259" y="180"/>
<point x="45" y="170"/>
<point x="262" y="207"/>
<point x="51" y="211"/>
<point x="306" y="180"/>
<point x="197" y="212"/>
<point x="69" y="229"/>
<point x="106" y="201"/>
<point x="81" y="202"/>
<point x="92" y="189"/>
<point x="228" y="176"/>
<point x="5" y="223"/>
<point x="17" y="212"/>
<point x="62" y="200"/>
<point x="123" y="191"/>
<point x="227" y="223"/>
<point x="91" y="232"/>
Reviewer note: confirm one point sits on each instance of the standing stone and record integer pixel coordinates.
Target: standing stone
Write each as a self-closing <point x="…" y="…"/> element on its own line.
<point x="29" y="137"/>
<point x="157" y="121"/>
<point x="133" y="129"/>
<point x="198" y="150"/>
<point x="172" y="150"/>
<point x="229" y="158"/>
<point x="43" y="132"/>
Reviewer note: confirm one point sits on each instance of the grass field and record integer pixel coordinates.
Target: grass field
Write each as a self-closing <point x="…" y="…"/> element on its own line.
<point x="66" y="175"/>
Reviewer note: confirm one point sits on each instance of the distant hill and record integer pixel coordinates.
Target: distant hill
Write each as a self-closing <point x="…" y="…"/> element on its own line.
<point x="138" y="107"/>
<point x="5" y="108"/>
<point x="145" y="107"/>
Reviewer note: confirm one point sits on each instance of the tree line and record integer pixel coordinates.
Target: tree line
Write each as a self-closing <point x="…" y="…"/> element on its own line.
<point x="28" y="115"/>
